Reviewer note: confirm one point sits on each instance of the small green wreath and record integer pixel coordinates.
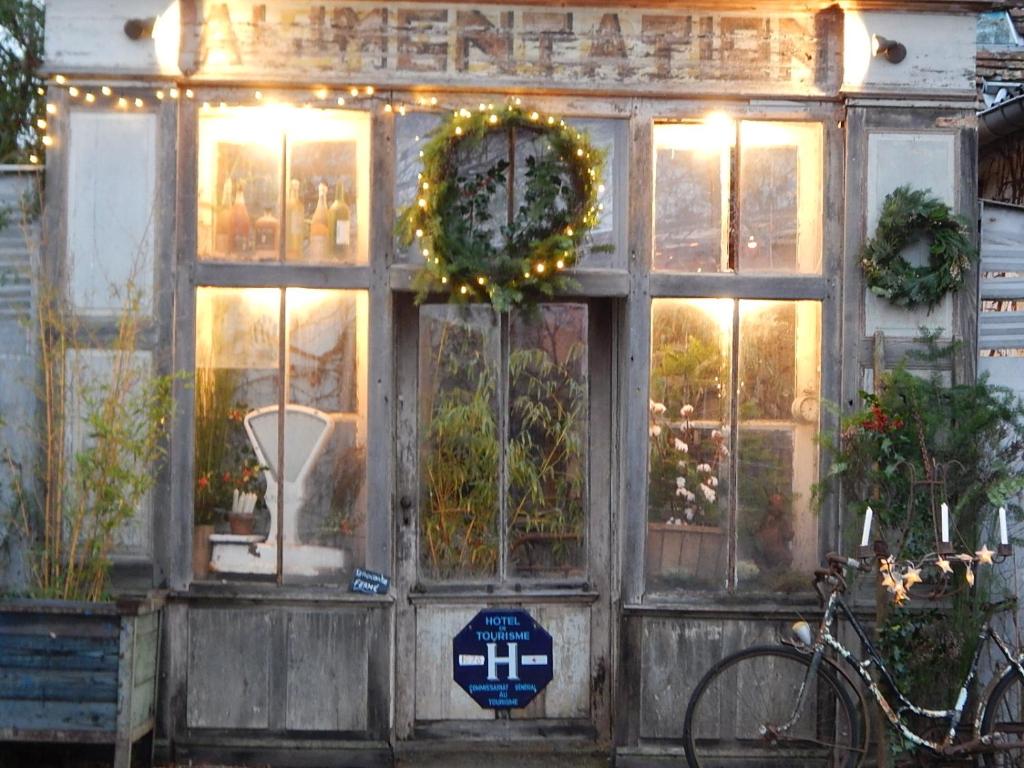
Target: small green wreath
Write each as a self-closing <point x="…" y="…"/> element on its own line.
<point x="905" y="214"/>
<point x="518" y="256"/>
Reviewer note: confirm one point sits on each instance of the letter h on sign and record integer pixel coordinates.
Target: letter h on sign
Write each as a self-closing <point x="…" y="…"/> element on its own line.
<point x="512" y="661"/>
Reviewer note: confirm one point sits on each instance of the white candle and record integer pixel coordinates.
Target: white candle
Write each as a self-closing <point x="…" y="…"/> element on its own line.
<point x="945" y="522"/>
<point x="1003" y="537"/>
<point x="867" y="528"/>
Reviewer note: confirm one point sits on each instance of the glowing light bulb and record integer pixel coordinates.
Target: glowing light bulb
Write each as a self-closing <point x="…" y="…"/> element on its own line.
<point x="354" y="91"/>
<point x="341" y="101"/>
<point x="422" y="202"/>
<point x="34" y="159"/>
<point x="579" y="153"/>
<point x="387" y="108"/>
<point x="463" y="290"/>
<point x="401" y="110"/>
<point x="73" y="92"/>
<point x="481" y="280"/>
<point x="426" y="185"/>
<point x="534" y="116"/>
<point x="551" y="120"/>
<point x="189" y="94"/>
<point x="258" y="95"/>
<point x="369" y="90"/>
<point x="60" y="79"/>
<point x="140" y="103"/>
<point x="433" y="101"/>
<point x="426" y="252"/>
<point x="41" y="124"/>
<point x="539" y="266"/>
<point x="105" y="90"/>
<point x="419" y="233"/>
<point x="174" y="93"/>
<point x="90" y="98"/>
<point x="321" y="93"/>
<point x="458" y="130"/>
<point x="47" y="141"/>
<point x="493" y="119"/>
<point x="51" y="109"/>
<point x="160" y="95"/>
<point x="560" y="264"/>
<point x="444" y="280"/>
<point x="122" y="102"/>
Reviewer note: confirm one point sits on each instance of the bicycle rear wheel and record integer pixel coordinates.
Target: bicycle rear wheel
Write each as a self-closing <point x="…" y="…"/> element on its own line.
<point x="1004" y="716"/>
<point x="737" y="713"/>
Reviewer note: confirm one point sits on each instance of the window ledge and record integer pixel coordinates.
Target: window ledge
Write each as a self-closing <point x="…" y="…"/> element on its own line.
<point x="273" y="593"/>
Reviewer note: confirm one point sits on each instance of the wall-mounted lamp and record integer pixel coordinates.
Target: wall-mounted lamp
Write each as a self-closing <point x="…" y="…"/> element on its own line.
<point x="136" y="29"/>
<point x="893" y="50"/>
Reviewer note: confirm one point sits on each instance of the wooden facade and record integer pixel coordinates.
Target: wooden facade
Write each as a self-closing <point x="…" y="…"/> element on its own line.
<point x="295" y="674"/>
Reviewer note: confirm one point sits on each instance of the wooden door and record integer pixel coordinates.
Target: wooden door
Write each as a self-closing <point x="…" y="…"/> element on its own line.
<point x="504" y="427"/>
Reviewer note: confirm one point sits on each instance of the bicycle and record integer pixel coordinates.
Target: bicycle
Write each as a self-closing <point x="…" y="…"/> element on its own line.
<point x="792" y="704"/>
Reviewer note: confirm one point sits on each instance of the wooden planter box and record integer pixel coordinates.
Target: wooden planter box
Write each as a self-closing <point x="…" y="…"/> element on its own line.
<point x="686" y="551"/>
<point x="76" y="672"/>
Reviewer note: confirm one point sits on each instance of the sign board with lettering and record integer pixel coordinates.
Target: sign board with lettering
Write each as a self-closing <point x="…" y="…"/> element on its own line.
<point x="369" y="582"/>
<point x="658" y="49"/>
<point x="502" y="658"/>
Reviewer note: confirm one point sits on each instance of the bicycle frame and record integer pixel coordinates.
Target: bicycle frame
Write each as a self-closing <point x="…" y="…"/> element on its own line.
<point x="836" y="606"/>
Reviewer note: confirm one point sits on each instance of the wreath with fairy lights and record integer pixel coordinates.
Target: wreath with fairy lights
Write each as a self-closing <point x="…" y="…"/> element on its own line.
<point x="907" y="213"/>
<point x="478" y="248"/>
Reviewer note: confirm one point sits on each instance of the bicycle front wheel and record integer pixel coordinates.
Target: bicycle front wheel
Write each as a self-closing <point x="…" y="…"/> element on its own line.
<point x="743" y="714"/>
<point x="1004" y="719"/>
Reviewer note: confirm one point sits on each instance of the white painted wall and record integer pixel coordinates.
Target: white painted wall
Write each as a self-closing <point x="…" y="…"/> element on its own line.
<point x="940" y="52"/>
<point x="111" y="212"/>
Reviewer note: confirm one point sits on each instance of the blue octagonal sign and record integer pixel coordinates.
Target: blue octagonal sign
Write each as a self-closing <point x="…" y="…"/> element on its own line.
<point x="502" y="658"/>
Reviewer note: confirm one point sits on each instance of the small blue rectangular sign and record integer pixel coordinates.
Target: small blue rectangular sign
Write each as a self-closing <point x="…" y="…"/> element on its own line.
<point x="369" y="582"/>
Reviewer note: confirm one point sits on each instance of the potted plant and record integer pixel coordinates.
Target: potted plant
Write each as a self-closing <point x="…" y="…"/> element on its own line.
<point x="226" y="465"/>
<point x="684" y="536"/>
<point x="77" y="665"/>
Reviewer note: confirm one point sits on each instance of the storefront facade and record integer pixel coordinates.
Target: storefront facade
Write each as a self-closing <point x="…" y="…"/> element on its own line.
<point x="633" y="465"/>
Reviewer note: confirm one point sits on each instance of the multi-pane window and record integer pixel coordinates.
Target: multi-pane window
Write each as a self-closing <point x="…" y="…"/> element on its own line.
<point x="281" y="371"/>
<point x="734" y="382"/>
<point x="503" y="434"/>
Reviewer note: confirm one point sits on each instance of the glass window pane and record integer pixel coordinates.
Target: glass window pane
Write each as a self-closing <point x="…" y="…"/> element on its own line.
<point x="324" y="491"/>
<point x="604" y="247"/>
<point x="547" y="441"/>
<point x="691" y="348"/>
<point x="780" y="197"/>
<point x="239" y="185"/>
<point x="460" y="448"/>
<point x="236" y="371"/>
<point x="411" y="132"/>
<point x="691" y="188"/>
<point x="327" y="207"/>
<point x="778" y="401"/>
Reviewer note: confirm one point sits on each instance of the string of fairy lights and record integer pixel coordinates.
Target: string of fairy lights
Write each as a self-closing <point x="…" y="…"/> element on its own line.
<point x="131" y="97"/>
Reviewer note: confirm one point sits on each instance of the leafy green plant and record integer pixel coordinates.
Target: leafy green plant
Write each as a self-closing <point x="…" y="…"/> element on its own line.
<point x="21" y="55"/>
<point x="462" y="455"/>
<point x="225" y="460"/>
<point x="915" y="444"/>
<point x="72" y="512"/>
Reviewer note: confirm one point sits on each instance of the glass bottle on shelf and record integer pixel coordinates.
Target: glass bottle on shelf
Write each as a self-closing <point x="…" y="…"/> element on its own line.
<point x="318" y="226"/>
<point x="223" y="229"/>
<point x="339" y="224"/>
<point x="295" y="218"/>
<point x="241" y="224"/>
<point x="267" y="229"/>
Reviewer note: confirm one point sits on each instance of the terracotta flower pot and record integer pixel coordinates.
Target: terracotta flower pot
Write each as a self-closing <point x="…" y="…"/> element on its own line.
<point x="241" y="525"/>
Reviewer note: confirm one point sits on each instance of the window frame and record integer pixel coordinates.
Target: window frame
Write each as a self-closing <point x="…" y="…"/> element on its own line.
<point x="369" y="277"/>
<point x="649" y="285"/>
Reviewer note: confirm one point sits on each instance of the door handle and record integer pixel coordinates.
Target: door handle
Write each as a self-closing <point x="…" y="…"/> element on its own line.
<point x="406" y="504"/>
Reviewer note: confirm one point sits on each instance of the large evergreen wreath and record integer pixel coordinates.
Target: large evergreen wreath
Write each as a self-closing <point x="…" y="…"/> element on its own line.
<point x="519" y="254"/>
<point x="907" y="213"/>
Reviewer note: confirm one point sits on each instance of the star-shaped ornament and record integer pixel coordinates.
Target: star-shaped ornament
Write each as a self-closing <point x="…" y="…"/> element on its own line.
<point x="912" y="577"/>
<point x="984" y="555"/>
<point x="943" y="565"/>
<point x="887" y="582"/>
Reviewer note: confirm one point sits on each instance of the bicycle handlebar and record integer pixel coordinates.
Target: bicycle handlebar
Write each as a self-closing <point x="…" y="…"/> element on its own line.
<point x="834" y="558"/>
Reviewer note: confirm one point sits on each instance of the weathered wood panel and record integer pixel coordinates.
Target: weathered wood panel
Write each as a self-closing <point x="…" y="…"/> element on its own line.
<point x="58" y="716"/>
<point x="229" y="664"/>
<point x="88" y="36"/>
<point x="676" y="652"/>
<point x="327" y="671"/>
<point x="940" y="52"/>
<point x="579" y="48"/>
<point x="437" y="695"/>
<point x="110" y="213"/>
<point x="925" y="161"/>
